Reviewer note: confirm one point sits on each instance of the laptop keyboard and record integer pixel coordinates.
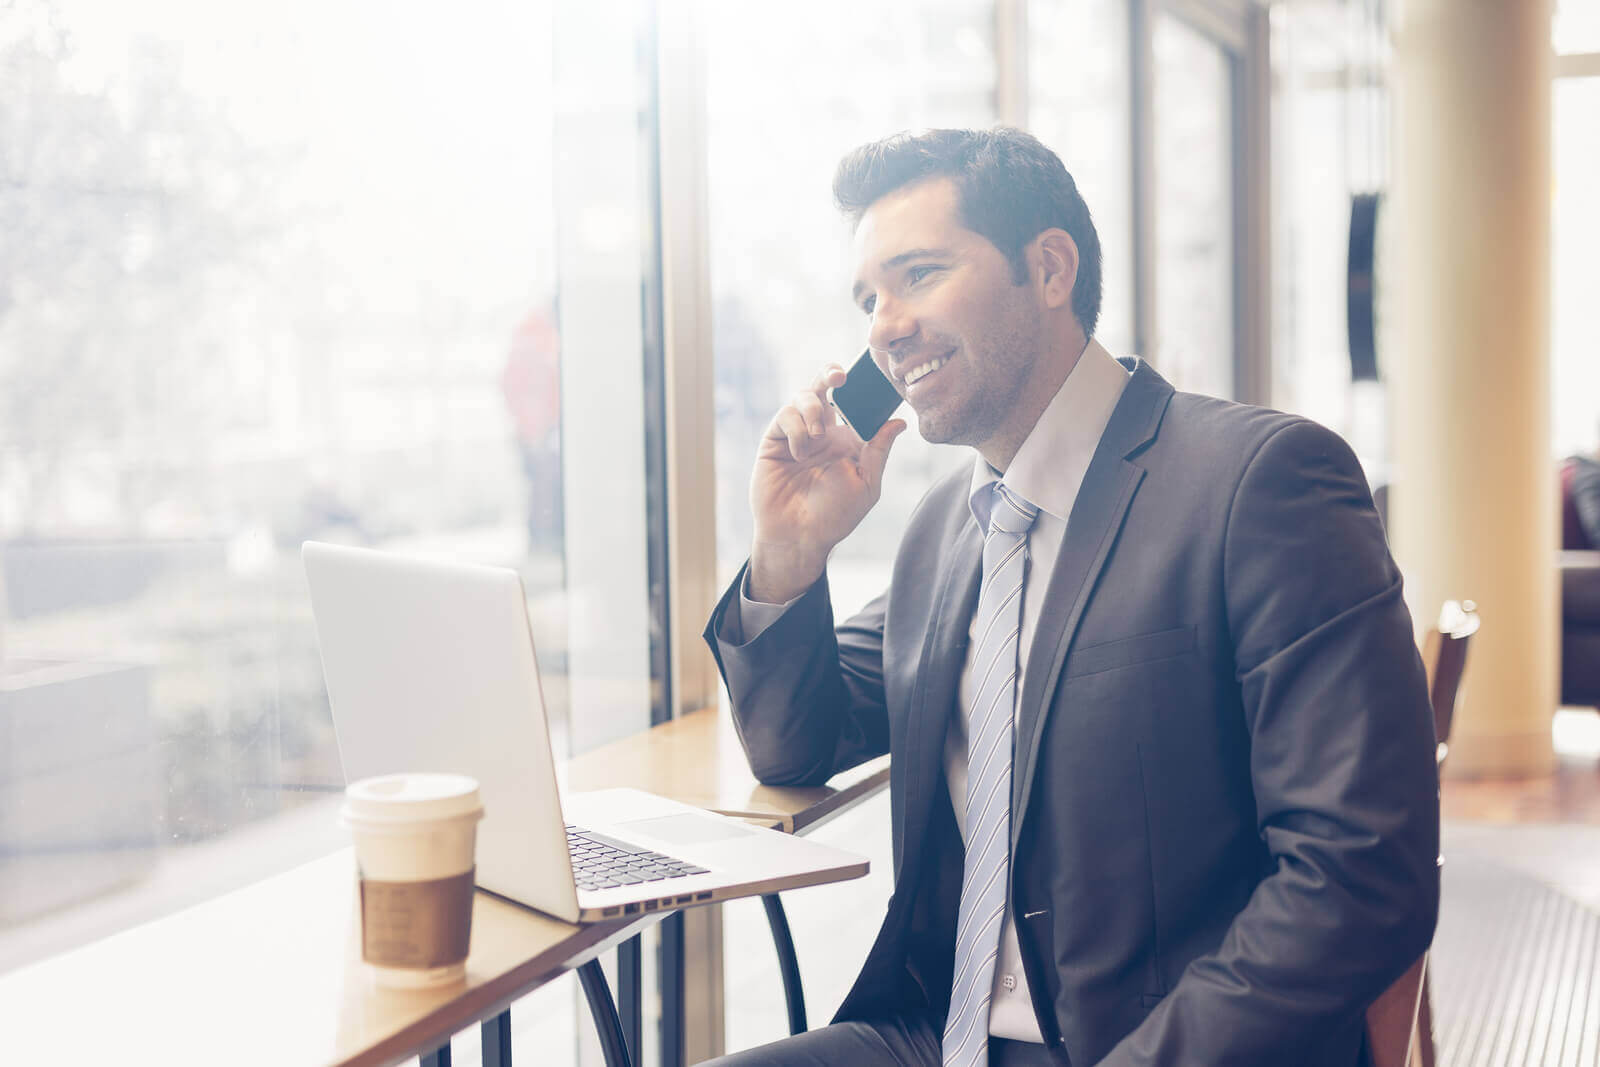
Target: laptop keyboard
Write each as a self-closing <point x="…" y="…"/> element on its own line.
<point x="601" y="862"/>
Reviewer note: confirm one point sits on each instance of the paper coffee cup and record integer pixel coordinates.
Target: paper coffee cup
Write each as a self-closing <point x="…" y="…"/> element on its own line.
<point x="415" y="835"/>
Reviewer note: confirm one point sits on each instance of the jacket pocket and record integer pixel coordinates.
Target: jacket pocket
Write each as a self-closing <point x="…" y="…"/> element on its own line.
<point x="1128" y="651"/>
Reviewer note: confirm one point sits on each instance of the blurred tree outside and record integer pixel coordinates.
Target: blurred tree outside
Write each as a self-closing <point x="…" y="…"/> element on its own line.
<point x="133" y="215"/>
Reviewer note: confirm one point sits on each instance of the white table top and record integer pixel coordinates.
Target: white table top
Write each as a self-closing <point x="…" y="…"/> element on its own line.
<point x="272" y="974"/>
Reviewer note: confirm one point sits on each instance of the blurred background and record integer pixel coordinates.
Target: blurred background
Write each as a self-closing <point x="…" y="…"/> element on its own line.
<point x="393" y="275"/>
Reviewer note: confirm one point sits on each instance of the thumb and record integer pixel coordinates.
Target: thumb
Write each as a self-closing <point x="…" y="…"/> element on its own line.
<point x="875" y="454"/>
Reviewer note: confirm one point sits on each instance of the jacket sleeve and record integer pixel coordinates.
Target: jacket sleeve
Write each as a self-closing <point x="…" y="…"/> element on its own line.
<point x="1341" y="764"/>
<point x="807" y="698"/>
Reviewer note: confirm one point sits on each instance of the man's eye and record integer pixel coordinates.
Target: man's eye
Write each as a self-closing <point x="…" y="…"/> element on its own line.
<point x="868" y="304"/>
<point x="916" y="274"/>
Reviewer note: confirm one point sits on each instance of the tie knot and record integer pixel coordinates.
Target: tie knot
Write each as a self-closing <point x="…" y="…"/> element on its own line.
<point x="1009" y="513"/>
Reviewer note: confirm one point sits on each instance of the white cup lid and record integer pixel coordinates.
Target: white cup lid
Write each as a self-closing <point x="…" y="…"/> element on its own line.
<point x="412" y="797"/>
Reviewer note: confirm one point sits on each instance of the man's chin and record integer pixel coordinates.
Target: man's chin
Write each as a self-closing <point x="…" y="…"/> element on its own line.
<point x="931" y="430"/>
<point x="948" y="424"/>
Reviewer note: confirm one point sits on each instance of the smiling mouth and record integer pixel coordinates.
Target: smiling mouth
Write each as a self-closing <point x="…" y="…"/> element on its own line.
<point x="921" y="371"/>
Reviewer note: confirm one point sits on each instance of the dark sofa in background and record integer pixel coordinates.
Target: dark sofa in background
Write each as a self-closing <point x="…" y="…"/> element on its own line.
<point x="1580" y="582"/>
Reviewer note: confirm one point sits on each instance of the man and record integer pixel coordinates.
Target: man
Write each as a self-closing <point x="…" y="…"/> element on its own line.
<point x="1162" y="785"/>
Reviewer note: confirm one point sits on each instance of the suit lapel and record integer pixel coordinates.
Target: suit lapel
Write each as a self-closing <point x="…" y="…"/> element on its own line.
<point x="936" y="691"/>
<point x="1097" y="515"/>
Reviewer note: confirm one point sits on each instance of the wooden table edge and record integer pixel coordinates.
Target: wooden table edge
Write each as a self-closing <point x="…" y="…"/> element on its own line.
<point x="809" y="818"/>
<point x="497" y="994"/>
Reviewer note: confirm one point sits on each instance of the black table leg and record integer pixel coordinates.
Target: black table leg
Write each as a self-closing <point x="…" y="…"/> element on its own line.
<point x="439" y="1057"/>
<point x="630" y="995"/>
<point x="497" y="1040"/>
<point x="604" y="1012"/>
<point x="670" y="960"/>
<point x="788" y="963"/>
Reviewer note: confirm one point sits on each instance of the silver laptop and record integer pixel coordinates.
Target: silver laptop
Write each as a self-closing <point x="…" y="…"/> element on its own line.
<point x="430" y="667"/>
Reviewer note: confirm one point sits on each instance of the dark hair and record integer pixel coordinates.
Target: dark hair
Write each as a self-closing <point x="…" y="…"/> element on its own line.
<point x="1011" y="189"/>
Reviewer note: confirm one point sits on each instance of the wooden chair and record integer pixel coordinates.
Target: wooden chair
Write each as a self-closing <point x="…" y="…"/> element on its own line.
<point x="1444" y="657"/>
<point x="1400" y="1022"/>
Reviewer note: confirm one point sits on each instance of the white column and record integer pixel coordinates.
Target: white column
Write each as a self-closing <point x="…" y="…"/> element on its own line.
<point x="1473" y="509"/>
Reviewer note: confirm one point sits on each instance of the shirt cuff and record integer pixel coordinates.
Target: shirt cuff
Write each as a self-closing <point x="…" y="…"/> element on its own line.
<point x="754" y="615"/>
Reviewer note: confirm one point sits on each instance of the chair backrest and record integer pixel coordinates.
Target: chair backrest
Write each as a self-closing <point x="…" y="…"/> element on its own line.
<point x="1444" y="657"/>
<point x="1392" y="1019"/>
<point x="1392" y="1030"/>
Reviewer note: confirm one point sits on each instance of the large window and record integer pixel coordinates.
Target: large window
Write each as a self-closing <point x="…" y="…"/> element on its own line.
<point x="1574" y="278"/>
<point x="788" y="94"/>
<point x="1194" y="209"/>
<point x="1079" y="103"/>
<point x="1331" y="130"/>
<point x="298" y="271"/>
<point x="1330" y="142"/>
<point x="1575" y="27"/>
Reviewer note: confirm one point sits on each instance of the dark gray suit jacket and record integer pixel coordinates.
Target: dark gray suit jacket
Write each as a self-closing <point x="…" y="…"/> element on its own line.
<point x="1225" y="820"/>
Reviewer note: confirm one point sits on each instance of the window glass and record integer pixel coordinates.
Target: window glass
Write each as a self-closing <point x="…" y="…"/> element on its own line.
<point x="1575" y="27"/>
<point x="1574" y="278"/>
<point x="1078" y="104"/>
<point x="1330" y="133"/>
<point x="1194" y="174"/>
<point x="790" y="91"/>
<point x="284" y="273"/>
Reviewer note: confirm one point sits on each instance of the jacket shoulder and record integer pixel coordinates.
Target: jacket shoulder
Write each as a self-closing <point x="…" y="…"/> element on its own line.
<point x="1219" y="435"/>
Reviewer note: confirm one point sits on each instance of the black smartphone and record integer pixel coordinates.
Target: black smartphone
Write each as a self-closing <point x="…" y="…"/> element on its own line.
<point x="867" y="398"/>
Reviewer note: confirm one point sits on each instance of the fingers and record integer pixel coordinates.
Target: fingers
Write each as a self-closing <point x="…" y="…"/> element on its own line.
<point x="816" y="413"/>
<point x="791" y="426"/>
<point x="805" y="421"/>
<point x="813" y="404"/>
<point x="832" y="377"/>
<point x="875" y="456"/>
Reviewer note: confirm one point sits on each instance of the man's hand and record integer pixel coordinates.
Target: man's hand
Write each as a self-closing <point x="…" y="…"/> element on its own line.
<point x="814" y="481"/>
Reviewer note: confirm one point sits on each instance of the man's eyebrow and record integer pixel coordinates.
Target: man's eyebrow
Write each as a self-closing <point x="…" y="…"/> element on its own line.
<point x="899" y="260"/>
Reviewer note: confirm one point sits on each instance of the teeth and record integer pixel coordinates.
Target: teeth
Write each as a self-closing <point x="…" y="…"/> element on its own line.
<point x="919" y="373"/>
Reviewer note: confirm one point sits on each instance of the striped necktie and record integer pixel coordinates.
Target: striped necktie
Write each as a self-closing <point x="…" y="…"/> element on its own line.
<point x="989" y="743"/>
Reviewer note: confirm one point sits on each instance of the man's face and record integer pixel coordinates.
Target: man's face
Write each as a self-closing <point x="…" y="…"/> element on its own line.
<point x="948" y="326"/>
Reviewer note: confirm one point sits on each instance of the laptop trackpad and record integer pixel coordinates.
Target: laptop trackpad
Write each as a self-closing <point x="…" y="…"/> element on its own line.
<point x="686" y="829"/>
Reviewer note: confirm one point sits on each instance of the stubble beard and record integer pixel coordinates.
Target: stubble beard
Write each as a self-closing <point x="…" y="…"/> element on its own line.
<point x="994" y="383"/>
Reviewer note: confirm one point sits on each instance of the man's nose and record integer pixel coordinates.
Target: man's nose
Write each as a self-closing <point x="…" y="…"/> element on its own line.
<point x="892" y="322"/>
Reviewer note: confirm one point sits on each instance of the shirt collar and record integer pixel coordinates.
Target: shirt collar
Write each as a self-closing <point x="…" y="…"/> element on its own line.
<point x="1050" y="466"/>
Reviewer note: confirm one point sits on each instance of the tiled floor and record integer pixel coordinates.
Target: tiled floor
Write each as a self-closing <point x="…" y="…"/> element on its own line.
<point x="1513" y="970"/>
<point x="1547" y="827"/>
<point x="1515" y="978"/>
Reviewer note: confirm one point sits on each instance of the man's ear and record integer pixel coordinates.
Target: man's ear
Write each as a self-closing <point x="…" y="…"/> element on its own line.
<point x="1058" y="262"/>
